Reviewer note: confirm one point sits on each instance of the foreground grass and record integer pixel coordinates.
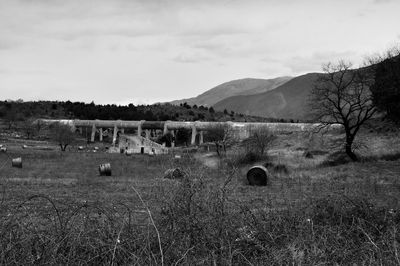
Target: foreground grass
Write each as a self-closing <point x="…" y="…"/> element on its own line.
<point x="57" y="210"/>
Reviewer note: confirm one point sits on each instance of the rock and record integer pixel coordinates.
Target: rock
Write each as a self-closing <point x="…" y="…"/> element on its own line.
<point x="308" y="155"/>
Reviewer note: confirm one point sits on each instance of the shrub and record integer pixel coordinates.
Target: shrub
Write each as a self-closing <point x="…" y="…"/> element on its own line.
<point x="259" y="140"/>
<point x="281" y="169"/>
<point x="198" y="224"/>
<point x="308" y="155"/>
<point x="249" y="157"/>
<point x="336" y="158"/>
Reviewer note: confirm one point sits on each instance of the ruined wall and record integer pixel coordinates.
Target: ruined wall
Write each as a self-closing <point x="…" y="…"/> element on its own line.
<point x="134" y="144"/>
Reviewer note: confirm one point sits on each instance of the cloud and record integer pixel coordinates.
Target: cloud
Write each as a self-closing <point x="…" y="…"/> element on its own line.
<point x="101" y="50"/>
<point x="315" y="61"/>
<point x="190" y="57"/>
<point x="383" y="1"/>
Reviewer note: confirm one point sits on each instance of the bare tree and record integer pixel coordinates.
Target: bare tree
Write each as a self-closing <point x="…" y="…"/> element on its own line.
<point x="39" y="125"/>
<point x="342" y="96"/>
<point x="28" y="127"/>
<point x="222" y="136"/>
<point x="260" y="139"/>
<point x="12" y="116"/>
<point x="63" y="135"/>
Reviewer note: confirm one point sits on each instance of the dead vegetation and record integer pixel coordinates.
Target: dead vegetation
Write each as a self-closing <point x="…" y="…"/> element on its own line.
<point x="58" y="210"/>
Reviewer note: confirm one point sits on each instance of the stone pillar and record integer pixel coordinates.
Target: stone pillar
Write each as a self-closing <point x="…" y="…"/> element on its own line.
<point x="73" y="128"/>
<point x="139" y="130"/>
<point x="147" y="134"/>
<point x="165" y="129"/>
<point x="93" y="133"/>
<point x="194" y="133"/>
<point x="101" y="134"/>
<point x="115" y="135"/>
<point x="201" y="138"/>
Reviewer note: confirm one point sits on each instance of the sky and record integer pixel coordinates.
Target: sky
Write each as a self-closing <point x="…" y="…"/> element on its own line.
<point x="146" y="51"/>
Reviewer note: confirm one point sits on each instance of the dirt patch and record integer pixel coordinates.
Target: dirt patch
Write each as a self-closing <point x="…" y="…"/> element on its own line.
<point x="208" y="159"/>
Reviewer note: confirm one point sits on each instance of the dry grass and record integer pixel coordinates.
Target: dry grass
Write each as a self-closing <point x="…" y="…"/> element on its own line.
<point x="58" y="210"/>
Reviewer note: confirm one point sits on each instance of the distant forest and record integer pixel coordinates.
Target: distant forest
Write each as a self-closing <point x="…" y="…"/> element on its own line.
<point x="14" y="111"/>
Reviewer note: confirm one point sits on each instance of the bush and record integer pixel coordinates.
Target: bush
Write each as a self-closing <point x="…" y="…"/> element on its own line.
<point x="281" y="169"/>
<point x="336" y="158"/>
<point x="198" y="224"/>
<point x="249" y="157"/>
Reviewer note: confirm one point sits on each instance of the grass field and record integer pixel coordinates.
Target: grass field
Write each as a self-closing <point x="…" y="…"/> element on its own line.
<point x="58" y="210"/>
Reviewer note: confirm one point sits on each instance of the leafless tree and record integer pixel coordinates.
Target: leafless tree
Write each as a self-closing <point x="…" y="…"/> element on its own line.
<point x="63" y="135"/>
<point x="222" y="136"/>
<point x="28" y="127"/>
<point x="260" y="139"/>
<point x="12" y="117"/>
<point x="342" y="96"/>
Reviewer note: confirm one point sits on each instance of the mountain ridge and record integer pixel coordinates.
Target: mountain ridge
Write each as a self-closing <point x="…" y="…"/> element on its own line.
<point x="245" y="86"/>
<point x="288" y="101"/>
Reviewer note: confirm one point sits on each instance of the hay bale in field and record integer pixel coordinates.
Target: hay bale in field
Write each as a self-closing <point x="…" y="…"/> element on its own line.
<point x="24" y="146"/>
<point x="16" y="162"/>
<point x="105" y="169"/>
<point x="3" y="149"/>
<point x="174" y="173"/>
<point x="80" y="148"/>
<point x="129" y="152"/>
<point x="258" y="176"/>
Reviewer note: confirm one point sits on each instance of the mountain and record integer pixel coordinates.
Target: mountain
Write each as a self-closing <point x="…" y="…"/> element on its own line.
<point x="246" y="86"/>
<point x="286" y="101"/>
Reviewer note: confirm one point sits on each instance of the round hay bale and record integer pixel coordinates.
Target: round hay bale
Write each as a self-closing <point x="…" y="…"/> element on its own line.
<point x="24" y="146"/>
<point x="17" y="162"/>
<point x="105" y="169"/>
<point x="129" y="152"/>
<point x="174" y="173"/>
<point x="3" y="149"/>
<point x="257" y="176"/>
<point x="80" y="148"/>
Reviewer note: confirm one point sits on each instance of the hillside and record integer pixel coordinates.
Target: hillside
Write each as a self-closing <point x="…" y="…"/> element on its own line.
<point x="286" y="101"/>
<point x="16" y="112"/>
<point x="246" y="86"/>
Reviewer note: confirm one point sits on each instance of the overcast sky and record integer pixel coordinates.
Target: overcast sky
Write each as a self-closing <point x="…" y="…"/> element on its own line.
<point x="144" y="51"/>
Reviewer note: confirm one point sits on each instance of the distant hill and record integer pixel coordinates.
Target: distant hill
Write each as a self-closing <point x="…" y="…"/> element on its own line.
<point x="286" y="101"/>
<point x="247" y="86"/>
